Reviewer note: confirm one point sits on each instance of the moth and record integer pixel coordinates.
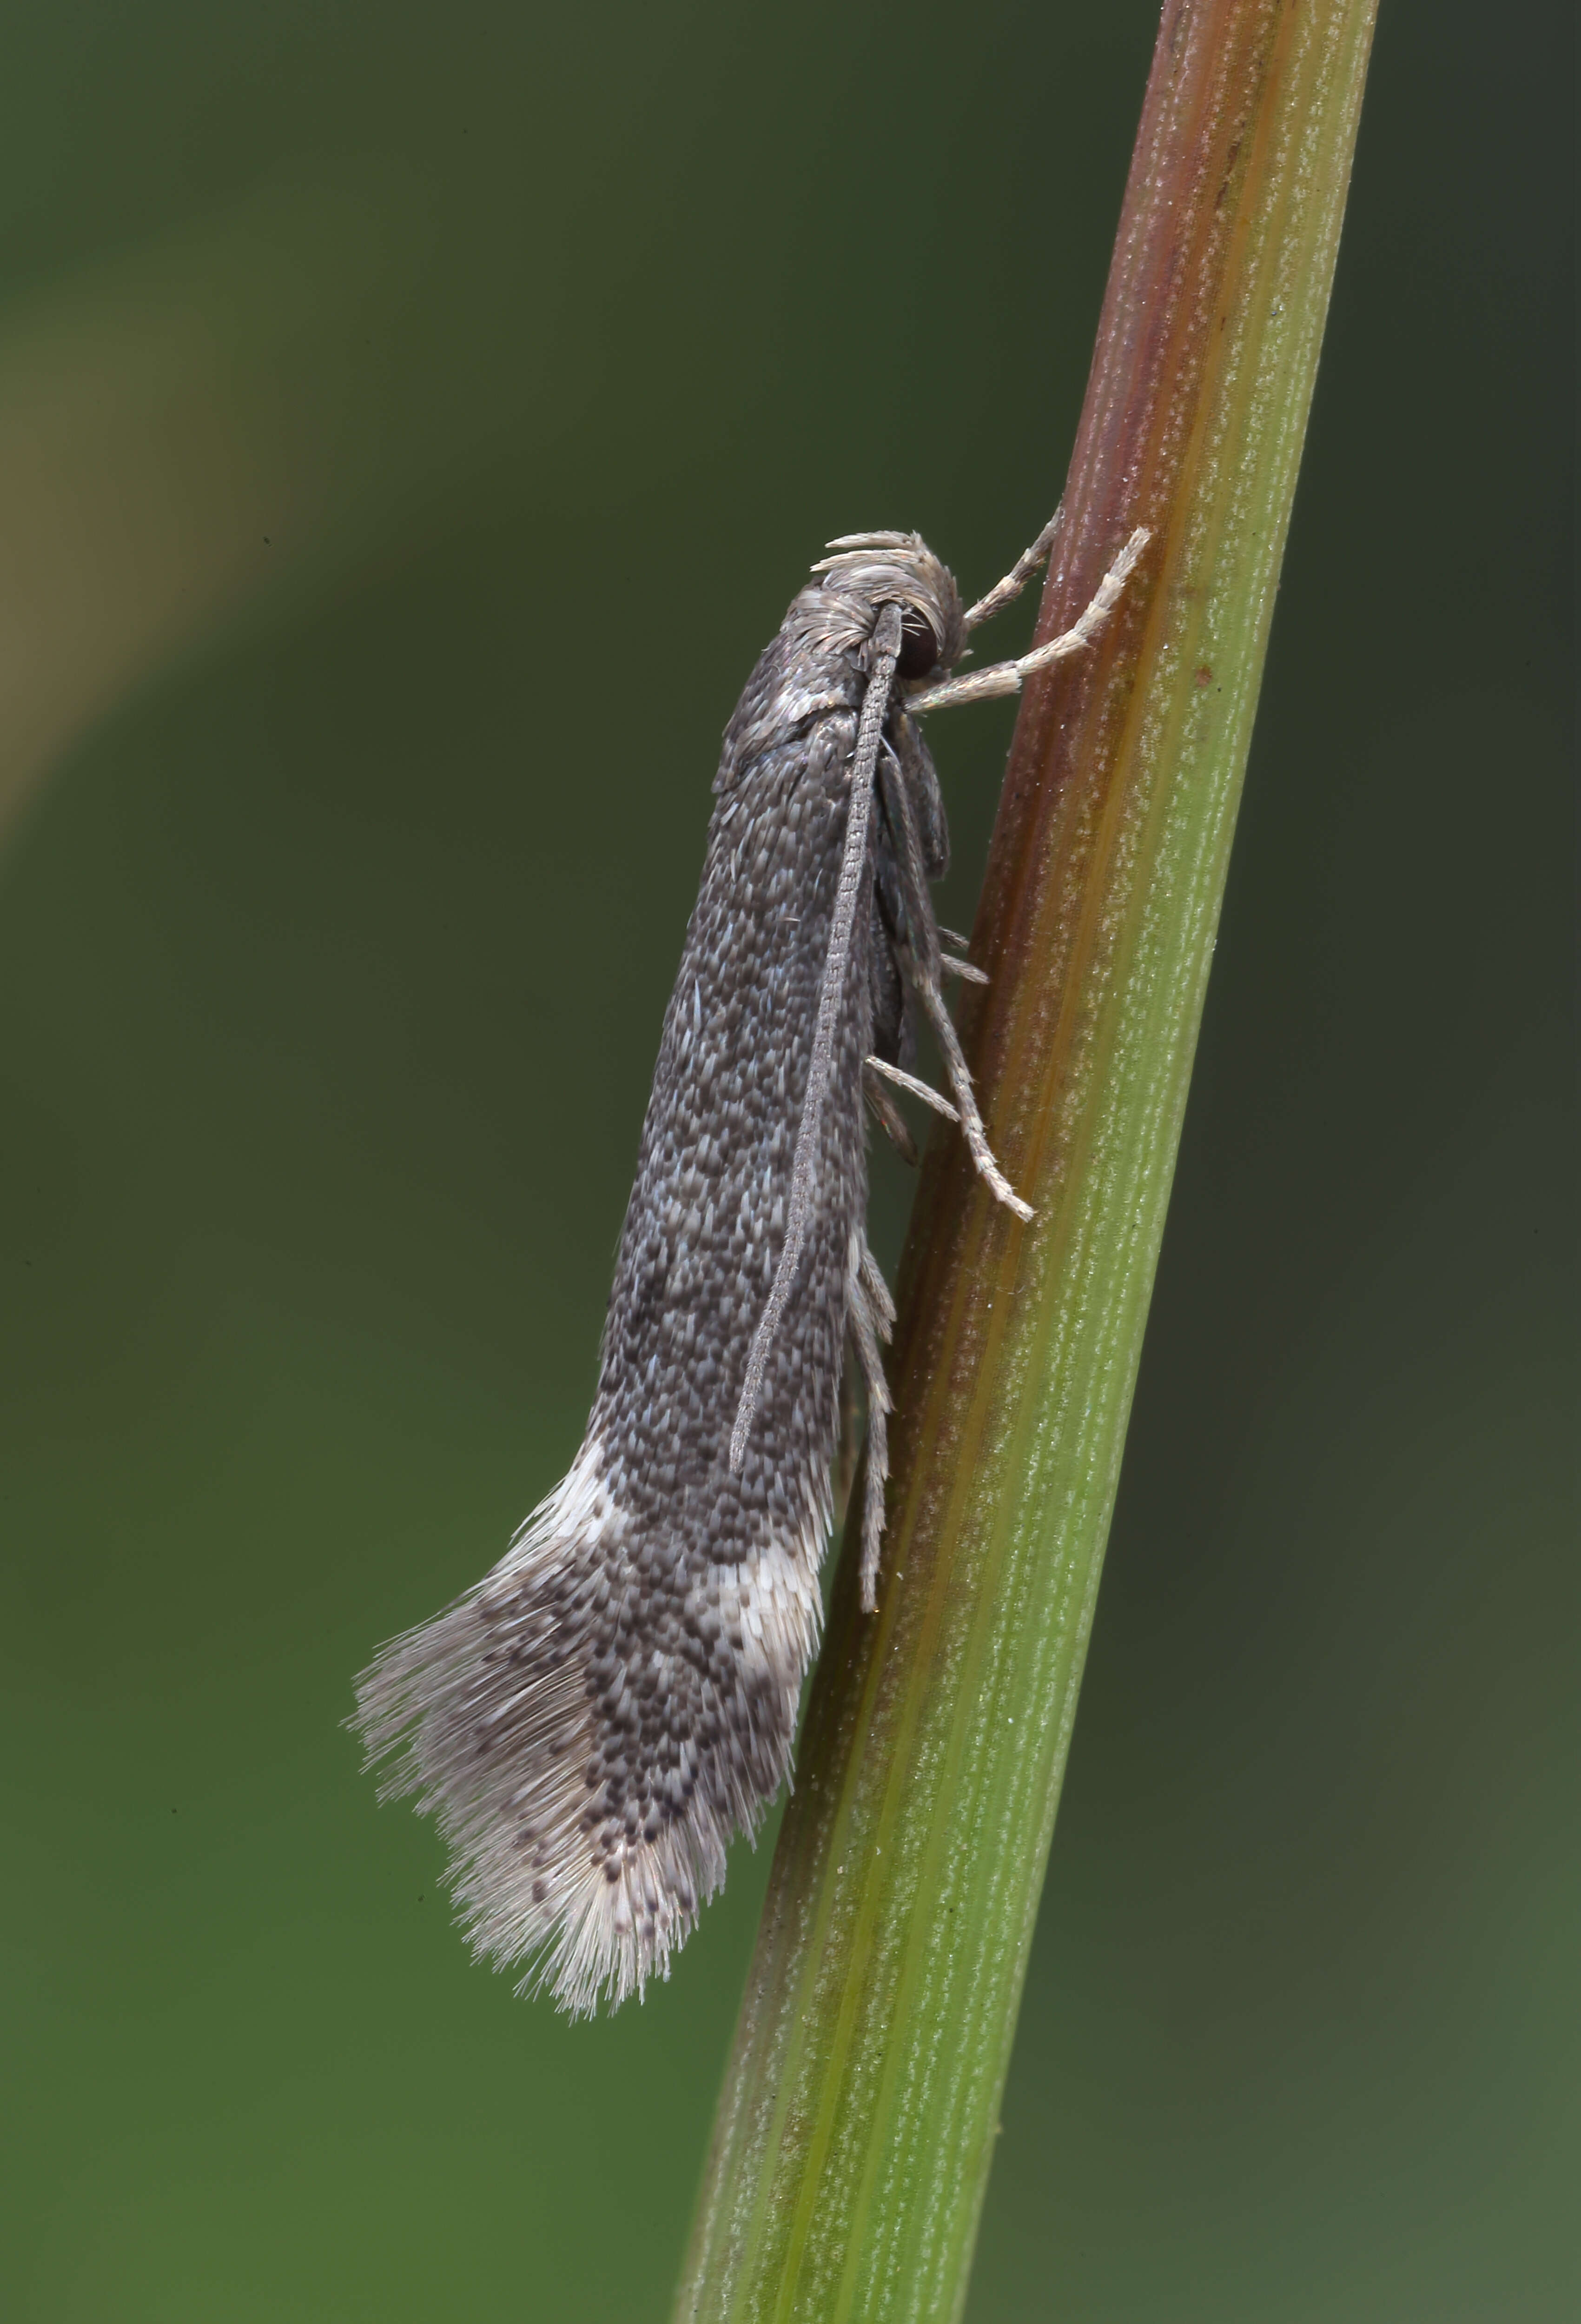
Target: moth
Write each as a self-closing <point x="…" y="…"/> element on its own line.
<point x="593" y="1721"/>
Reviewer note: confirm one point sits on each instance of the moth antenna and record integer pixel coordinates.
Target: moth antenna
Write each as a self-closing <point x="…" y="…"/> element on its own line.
<point x="853" y="864"/>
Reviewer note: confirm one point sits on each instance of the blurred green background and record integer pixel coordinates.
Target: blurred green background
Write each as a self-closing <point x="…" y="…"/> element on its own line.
<point x="412" y="422"/>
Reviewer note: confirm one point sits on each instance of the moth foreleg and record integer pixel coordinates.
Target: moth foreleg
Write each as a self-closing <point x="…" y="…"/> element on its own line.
<point x="1006" y="592"/>
<point x="1008" y="677"/>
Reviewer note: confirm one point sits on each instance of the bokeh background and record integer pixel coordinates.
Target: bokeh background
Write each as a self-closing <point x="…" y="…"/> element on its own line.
<point x="412" y="421"/>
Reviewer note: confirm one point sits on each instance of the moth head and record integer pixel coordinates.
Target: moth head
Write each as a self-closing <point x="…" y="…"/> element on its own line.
<point x="869" y="570"/>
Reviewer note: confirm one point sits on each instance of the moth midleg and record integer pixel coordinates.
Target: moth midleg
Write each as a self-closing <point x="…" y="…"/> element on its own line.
<point x="923" y="972"/>
<point x="971" y="1121"/>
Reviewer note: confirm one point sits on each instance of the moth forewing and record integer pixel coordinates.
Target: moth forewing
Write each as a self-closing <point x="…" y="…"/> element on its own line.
<point x="594" y="1721"/>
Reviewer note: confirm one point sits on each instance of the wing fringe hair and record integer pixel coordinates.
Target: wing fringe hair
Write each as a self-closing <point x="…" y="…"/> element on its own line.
<point x="487" y="1712"/>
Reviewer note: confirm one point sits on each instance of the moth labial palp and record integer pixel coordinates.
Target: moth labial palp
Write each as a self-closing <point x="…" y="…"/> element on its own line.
<point x="593" y="1721"/>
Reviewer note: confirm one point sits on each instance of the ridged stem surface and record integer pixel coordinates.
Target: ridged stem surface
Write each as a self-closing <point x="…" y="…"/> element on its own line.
<point x="859" y="2113"/>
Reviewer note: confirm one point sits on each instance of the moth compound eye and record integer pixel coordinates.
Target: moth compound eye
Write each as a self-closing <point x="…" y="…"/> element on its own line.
<point x="919" y="648"/>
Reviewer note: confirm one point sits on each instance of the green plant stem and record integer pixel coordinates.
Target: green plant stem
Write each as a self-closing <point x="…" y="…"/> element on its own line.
<point x="858" y="2118"/>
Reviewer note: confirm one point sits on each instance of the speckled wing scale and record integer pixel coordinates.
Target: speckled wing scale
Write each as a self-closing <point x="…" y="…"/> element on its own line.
<point x="594" y="1721"/>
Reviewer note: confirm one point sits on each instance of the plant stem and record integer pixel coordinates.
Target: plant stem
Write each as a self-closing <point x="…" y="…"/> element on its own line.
<point x="858" y="2118"/>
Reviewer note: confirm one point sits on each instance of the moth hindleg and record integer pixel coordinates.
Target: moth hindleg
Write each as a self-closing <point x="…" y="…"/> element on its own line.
<point x="887" y="1113"/>
<point x="909" y="1082"/>
<point x="847" y="1440"/>
<point x="959" y="966"/>
<point x="870" y="1314"/>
